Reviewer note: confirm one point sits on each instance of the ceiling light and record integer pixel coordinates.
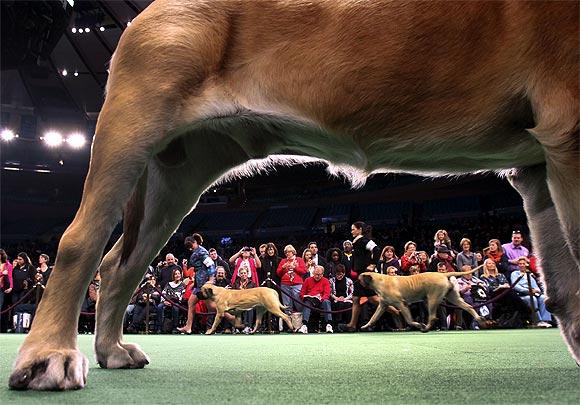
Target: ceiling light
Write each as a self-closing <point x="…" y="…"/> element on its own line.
<point x="101" y="29"/>
<point x="64" y="72"/>
<point x="53" y="139"/>
<point x="74" y="30"/>
<point x="76" y="73"/>
<point x="87" y="29"/>
<point x="76" y="141"/>
<point x="8" y="135"/>
<point x="81" y="30"/>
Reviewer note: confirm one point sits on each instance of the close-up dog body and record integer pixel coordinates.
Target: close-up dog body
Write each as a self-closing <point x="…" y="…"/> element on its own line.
<point x="401" y="291"/>
<point x="235" y="301"/>
<point x="204" y="91"/>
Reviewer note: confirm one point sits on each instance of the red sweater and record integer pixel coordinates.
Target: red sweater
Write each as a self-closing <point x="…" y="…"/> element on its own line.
<point x="299" y="271"/>
<point x="313" y="288"/>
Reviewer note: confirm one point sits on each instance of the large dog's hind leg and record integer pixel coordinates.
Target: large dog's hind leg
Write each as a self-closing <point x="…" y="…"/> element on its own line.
<point x="557" y="264"/>
<point x="376" y="316"/>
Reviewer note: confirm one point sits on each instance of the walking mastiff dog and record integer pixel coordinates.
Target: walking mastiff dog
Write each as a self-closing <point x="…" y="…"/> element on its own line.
<point x="203" y="90"/>
<point x="235" y="301"/>
<point x="400" y="291"/>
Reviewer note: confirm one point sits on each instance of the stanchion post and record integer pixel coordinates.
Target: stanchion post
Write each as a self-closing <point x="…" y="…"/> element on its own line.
<point x="147" y="314"/>
<point x="535" y="317"/>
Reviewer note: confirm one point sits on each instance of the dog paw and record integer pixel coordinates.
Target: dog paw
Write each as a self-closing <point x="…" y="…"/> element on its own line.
<point x="58" y="369"/>
<point x="121" y="355"/>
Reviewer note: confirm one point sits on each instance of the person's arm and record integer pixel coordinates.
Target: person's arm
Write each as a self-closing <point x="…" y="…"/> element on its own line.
<point x="325" y="291"/>
<point x="281" y="269"/>
<point x="304" y="289"/>
<point x="235" y="256"/>
<point x="301" y="267"/>
<point x="349" y="289"/>
<point x="10" y="279"/>
<point x="258" y="262"/>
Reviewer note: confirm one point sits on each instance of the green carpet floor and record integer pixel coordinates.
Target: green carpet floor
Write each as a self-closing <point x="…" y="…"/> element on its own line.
<point x="516" y="366"/>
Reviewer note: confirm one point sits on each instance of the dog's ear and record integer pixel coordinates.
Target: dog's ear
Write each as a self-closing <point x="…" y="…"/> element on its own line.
<point x="367" y="279"/>
<point x="209" y="292"/>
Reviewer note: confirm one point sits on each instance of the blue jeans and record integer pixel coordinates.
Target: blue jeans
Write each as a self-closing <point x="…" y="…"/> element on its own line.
<point x="313" y="302"/>
<point x="543" y="313"/>
<point x="294" y="291"/>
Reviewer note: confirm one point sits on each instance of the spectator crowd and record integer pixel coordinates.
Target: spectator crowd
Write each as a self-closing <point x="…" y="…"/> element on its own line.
<point x="320" y="290"/>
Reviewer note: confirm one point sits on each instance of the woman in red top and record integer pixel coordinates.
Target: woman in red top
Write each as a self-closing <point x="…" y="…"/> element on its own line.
<point x="290" y="270"/>
<point x="411" y="258"/>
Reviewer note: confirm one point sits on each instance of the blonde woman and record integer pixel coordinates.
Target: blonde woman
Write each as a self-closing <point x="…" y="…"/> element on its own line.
<point x="291" y="270"/>
<point x="496" y="284"/>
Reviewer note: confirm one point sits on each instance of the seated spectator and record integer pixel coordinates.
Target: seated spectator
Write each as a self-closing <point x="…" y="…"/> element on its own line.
<point x="346" y="257"/>
<point x="148" y="297"/>
<point x="309" y="262"/>
<point x="270" y="262"/>
<point x="316" y="258"/>
<point x="468" y="286"/>
<point x="495" y="252"/>
<point x="243" y="282"/>
<point x="391" y="271"/>
<point x="341" y="288"/>
<point x="410" y="258"/>
<point x="165" y="269"/>
<point x="514" y="250"/>
<point x="315" y="292"/>
<point x="172" y="294"/>
<point x="248" y="259"/>
<point x="508" y="308"/>
<point x="333" y="257"/>
<point x="441" y="238"/>
<point x="389" y="259"/>
<point x="442" y="311"/>
<point x="424" y="258"/>
<point x="443" y="255"/>
<point x="479" y="257"/>
<point x="418" y="309"/>
<point x="466" y="257"/>
<point x="217" y="259"/>
<point x="291" y="270"/>
<point x="525" y="289"/>
<point x="262" y="250"/>
<point x="89" y="306"/>
<point x="221" y="280"/>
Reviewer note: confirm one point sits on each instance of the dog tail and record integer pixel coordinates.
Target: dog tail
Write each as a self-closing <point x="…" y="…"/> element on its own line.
<point x="463" y="273"/>
<point x="132" y="217"/>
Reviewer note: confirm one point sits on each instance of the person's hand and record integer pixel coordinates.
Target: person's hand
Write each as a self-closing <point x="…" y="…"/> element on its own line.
<point x="167" y="303"/>
<point x="4" y="272"/>
<point x="145" y="296"/>
<point x="340" y="299"/>
<point x="8" y="291"/>
<point x="184" y="262"/>
<point x="253" y="250"/>
<point x="371" y="267"/>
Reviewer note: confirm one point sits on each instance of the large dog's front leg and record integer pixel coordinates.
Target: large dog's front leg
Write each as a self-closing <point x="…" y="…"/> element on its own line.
<point x="558" y="267"/>
<point x="376" y="316"/>
<point x="218" y="318"/>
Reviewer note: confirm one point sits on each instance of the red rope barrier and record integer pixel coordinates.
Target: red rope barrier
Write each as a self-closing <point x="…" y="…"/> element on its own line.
<point x="17" y="303"/>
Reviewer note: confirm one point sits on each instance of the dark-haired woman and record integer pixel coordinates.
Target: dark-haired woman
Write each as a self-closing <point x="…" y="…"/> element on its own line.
<point x="333" y="259"/>
<point x="389" y="259"/>
<point x="365" y="255"/>
<point x="22" y="276"/>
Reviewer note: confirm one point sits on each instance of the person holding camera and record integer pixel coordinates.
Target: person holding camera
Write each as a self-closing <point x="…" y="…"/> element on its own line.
<point x="411" y="258"/>
<point x="248" y="259"/>
<point x="165" y="269"/>
<point x="525" y="290"/>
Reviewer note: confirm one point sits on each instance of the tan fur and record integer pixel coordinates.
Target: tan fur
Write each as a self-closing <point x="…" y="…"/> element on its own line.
<point x="228" y="300"/>
<point x="366" y="86"/>
<point x="400" y="291"/>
